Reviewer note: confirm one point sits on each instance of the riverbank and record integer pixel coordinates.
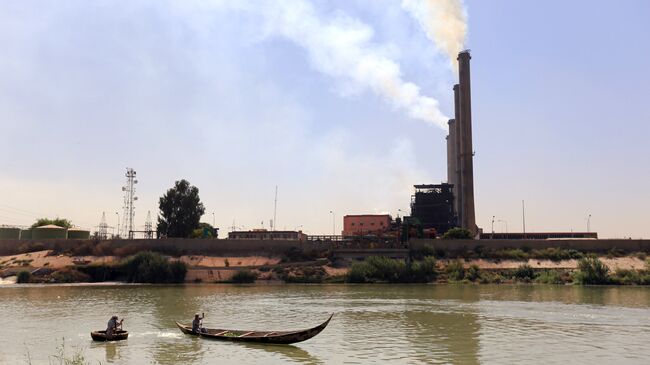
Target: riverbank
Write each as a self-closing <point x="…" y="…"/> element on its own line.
<point x="48" y="266"/>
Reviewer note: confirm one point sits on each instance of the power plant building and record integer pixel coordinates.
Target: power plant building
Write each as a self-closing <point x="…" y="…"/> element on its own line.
<point x="449" y="205"/>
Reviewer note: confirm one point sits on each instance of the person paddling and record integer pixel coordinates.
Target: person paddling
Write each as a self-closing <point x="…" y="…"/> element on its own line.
<point x="197" y="326"/>
<point x="112" y="326"/>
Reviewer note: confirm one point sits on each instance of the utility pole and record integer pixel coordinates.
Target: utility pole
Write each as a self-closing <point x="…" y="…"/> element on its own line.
<point x="333" y="223"/>
<point x="492" y="227"/>
<point x="275" y="209"/>
<point x="589" y="223"/>
<point x="523" y="216"/>
<point x="118" y="223"/>
<point x="129" y="199"/>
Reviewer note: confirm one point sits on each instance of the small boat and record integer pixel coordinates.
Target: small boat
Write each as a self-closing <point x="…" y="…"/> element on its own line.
<point x="275" y="337"/>
<point x="118" y="335"/>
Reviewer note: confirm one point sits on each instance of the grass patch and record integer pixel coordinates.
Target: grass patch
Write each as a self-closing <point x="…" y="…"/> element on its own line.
<point x="384" y="269"/>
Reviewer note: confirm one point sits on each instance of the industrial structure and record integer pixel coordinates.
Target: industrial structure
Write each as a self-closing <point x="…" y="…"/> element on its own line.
<point x="129" y="199"/>
<point x="451" y="204"/>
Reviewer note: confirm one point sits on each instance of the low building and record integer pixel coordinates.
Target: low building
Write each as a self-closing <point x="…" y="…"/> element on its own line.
<point x="366" y="224"/>
<point x="263" y="234"/>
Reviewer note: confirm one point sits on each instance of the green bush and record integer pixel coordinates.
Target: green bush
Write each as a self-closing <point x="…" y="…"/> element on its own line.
<point x="473" y="273"/>
<point x="244" y="277"/>
<point x="358" y="273"/>
<point x="592" y="271"/>
<point x="305" y="275"/>
<point x="69" y="275"/>
<point x="549" y="277"/>
<point x="424" y="271"/>
<point x="556" y="254"/>
<point x="100" y="272"/>
<point x="488" y="277"/>
<point x="455" y="270"/>
<point x="422" y="252"/>
<point x="23" y="277"/>
<point x="383" y="269"/>
<point x="457" y="233"/>
<point x="150" y="267"/>
<point x="524" y="273"/>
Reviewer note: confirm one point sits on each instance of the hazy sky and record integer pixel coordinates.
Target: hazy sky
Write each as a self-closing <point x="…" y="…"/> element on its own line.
<point x="239" y="98"/>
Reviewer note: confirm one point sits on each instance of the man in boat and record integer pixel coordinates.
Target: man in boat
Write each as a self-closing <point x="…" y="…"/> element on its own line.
<point x="113" y="325"/>
<point x="197" y="326"/>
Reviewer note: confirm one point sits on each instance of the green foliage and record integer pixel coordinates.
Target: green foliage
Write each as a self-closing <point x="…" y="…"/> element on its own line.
<point x="592" y="271"/>
<point x="243" y="277"/>
<point x="180" y="210"/>
<point x="422" y="252"/>
<point x="455" y="270"/>
<point x="550" y="277"/>
<point x="524" y="273"/>
<point x="424" y="271"/>
<point x="457" y="233"/>
<point x="615" y="252"/>
<point x="61" y="222"/>
<point x="556" y="254"/>
<point x="150" y="267"/>
<point x="204" y="230"/>
<point x="306" y="274"/>
<point x="473" y="273"/>
<point x="69" y="275"/>
<point x="23" y="277"/>
<point x="384" y="269"/>
<point x="100" y="272"/>
<point x="488" y="277"/>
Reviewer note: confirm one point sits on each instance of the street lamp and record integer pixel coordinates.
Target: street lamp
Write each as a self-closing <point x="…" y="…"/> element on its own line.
<point x="333" y="223"/>
<point x="506" y="223"/>
<point x="589" y="223"/>
<point x="493" y="225"/>
<point x="118" y="223"/>
<point x="212" y="219"/>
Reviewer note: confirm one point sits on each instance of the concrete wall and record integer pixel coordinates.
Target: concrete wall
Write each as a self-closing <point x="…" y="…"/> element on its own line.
<point x="601" y="245"/>
<point x="185" y="245"/>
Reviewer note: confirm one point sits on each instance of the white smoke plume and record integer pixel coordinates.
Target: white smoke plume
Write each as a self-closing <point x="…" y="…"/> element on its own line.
<point x="444" y="22"/>
<point x="341" y="46"/>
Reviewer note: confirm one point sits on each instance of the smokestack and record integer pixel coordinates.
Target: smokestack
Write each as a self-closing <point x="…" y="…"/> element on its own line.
<point x="466" y="151"/>
<point x="451" y="158"/>
<point x="458" y="188"/>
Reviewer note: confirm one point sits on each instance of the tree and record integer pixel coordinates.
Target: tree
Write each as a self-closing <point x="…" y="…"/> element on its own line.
<point x="61" y="222"/>
<point x="457" y="233"/>
<point x="180" y="210"/>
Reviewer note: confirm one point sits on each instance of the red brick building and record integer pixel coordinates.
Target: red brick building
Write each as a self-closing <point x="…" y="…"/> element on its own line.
<point x="366" y="224"/>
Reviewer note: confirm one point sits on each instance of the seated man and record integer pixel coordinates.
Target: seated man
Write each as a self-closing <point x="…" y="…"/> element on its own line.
<point x="196" y="323"/>
<point x="112" y="326"/>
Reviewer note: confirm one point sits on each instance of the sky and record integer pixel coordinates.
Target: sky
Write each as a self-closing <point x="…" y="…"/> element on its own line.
<point x="241" y="97"/>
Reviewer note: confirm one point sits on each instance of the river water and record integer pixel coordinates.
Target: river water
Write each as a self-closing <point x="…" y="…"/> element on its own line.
<point x="401" y="324"/>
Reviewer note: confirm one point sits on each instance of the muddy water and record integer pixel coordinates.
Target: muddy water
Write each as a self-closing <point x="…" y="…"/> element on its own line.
<point x="462" y="324"/>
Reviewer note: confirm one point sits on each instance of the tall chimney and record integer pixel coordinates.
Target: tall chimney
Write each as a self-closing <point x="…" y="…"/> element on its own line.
<point x="458" y="189"/>
<point x="451" y="159"/>
<point x="466" y="151"/>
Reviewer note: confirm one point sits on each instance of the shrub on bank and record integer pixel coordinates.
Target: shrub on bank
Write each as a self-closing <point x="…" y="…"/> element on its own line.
<point x="100" y="272"/>
<point x="524" y="273"/>
<point x="384" y="269"/>
<point x="23" y="277"/>
<point x="550" y="277"/>
<point x="455" y="270"/>
<point x="304" y="275"/>
<point x="473" y="273"/>
<point x="592" y="271"/>
<point x="69" y="275"/>
<point x="151" y="267"/>
<point x="244" y="277"/>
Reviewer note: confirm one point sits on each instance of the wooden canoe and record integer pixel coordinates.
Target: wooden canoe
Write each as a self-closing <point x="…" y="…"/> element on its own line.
<point x="118" y="335"/>
<point x="275" y="337"/>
